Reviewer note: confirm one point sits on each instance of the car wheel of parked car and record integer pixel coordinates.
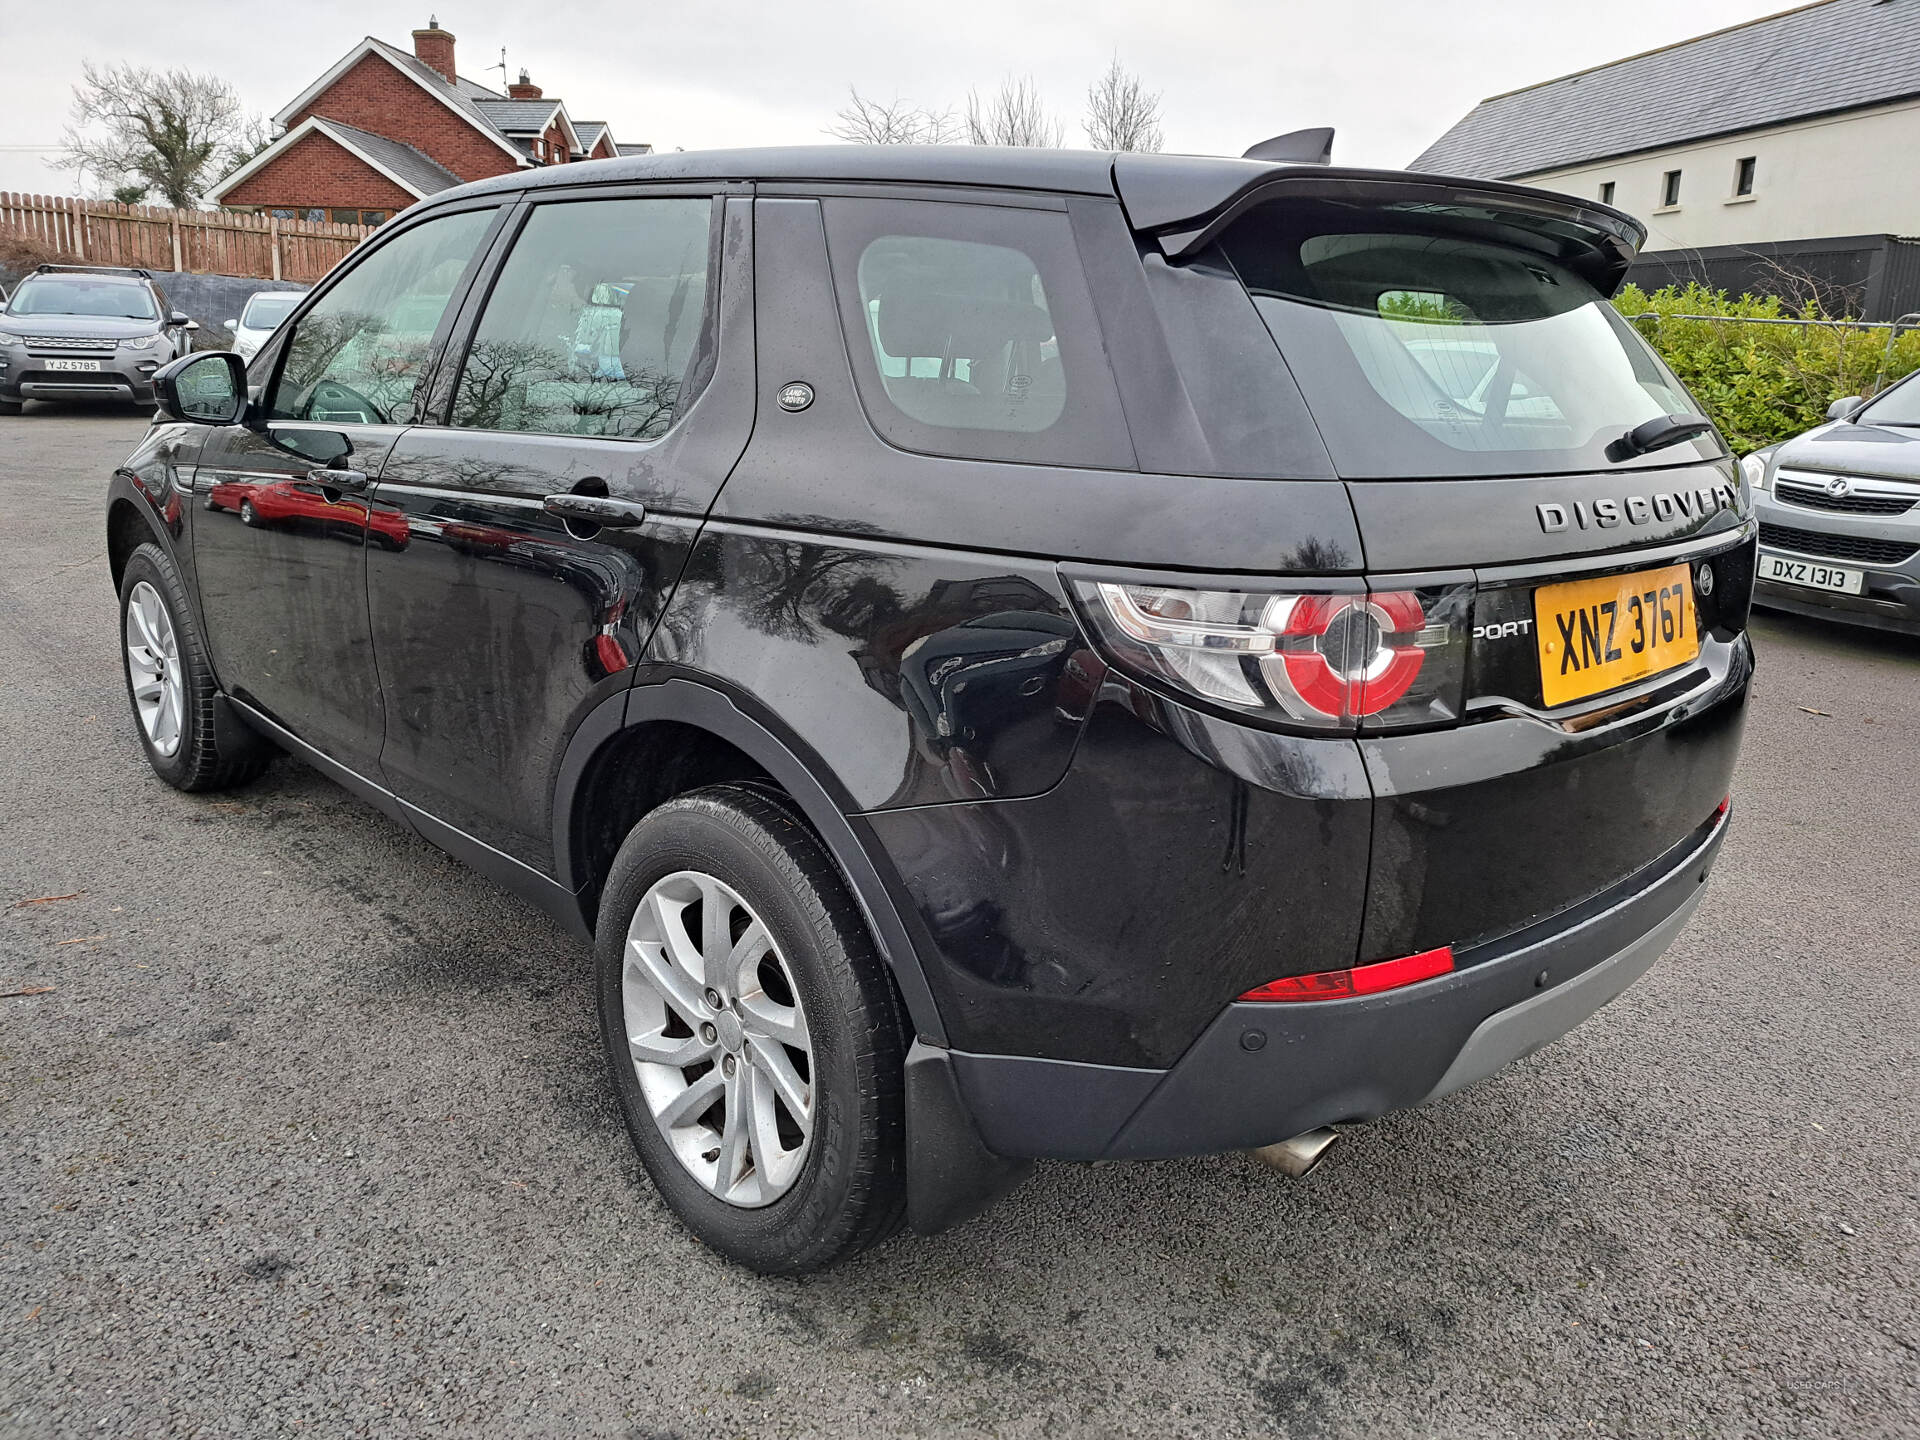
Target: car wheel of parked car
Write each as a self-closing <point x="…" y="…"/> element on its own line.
<point x="10" y="407"/>
<point x="170" y="683"/>
<point x="754" y="1035"/>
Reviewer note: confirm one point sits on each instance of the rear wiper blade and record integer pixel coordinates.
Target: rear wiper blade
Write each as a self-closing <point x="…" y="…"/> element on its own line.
<point x="1657" y="434"/>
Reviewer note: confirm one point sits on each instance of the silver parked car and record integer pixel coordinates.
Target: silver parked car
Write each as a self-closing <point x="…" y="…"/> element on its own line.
<point x="1839" y="514"/>
<point x="81" y="332"/>
<point x="264" y="311"/>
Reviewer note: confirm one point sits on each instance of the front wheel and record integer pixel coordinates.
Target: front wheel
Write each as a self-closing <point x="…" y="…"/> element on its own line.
<point x="753" y="1033"/>
<point x="170" y="683"/>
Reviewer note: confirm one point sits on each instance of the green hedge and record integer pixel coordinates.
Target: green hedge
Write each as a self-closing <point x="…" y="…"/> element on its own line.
<point x="1764" y="383"/>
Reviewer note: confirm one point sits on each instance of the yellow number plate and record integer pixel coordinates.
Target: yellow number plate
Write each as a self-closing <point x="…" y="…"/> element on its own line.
<point x="1596" y="635"/>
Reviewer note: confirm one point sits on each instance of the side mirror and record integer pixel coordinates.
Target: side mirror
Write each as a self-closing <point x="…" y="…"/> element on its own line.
<point x="178" y="317"/>
<point x="205" y="389"/>
<point x="233" y="324"/>
<point x="1845" y="409"/>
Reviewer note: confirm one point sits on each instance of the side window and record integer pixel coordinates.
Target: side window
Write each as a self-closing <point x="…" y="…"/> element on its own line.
<point x="593" y="321"/>
<point x="972" y="332"/>
<point x="357" y="355"/>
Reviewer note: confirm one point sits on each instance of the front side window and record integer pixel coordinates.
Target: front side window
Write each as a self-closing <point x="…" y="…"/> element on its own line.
<point x="972" y="333"/>
<point x="1425" y="346"/>
<point x="593" y="322"/>
<point x="78" y="295"/>
<point x="357" y="356"/>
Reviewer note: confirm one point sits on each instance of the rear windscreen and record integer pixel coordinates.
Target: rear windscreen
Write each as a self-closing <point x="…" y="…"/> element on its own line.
<point x="1424" y="349"/>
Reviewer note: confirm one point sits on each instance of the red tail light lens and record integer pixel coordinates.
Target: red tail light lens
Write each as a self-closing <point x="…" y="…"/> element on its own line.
<point x="1327" y="658"/>
<point x="1361" y="980"/>
<point x="1357" y="654"/>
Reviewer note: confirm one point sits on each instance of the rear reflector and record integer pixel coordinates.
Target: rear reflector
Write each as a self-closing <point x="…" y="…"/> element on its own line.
<point x="1361" y="980"/>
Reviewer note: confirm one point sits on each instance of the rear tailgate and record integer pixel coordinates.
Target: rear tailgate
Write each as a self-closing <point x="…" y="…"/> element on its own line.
<point x="1529" y="808"/>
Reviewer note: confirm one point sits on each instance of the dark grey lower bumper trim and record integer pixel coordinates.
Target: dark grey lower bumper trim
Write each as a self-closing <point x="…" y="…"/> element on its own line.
<point x="1521" y="1029"/>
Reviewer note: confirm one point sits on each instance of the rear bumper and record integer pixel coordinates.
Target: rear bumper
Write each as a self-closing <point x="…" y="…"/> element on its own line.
<point x="1262" y="1072"/>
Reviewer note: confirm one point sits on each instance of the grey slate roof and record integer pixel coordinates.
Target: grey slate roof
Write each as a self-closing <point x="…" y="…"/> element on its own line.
<point x="474" y="90"/>
<point x="1817" y="59"/>
<point x="642" y="149"/>
<point x="414" y="65"/>
<point x="415" y="170"/>
<point x="517" y="117"/>
<point x="589" y="132"/>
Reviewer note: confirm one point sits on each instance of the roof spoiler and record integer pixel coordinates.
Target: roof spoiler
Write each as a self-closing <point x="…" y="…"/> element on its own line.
<point x="1183" y="207"/>
<point x="1296" y="147"/>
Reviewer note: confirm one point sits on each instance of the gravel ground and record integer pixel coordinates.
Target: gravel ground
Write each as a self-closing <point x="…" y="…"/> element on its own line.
<point x="311" y="1135"/>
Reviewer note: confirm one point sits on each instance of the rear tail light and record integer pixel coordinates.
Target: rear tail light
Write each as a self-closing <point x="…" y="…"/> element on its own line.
<point x="1360" y="980"/>
<point x="1326" y="658"/>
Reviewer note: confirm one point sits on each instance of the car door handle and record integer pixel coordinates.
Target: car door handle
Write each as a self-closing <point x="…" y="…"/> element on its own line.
<point x="597" y="510"/>
<point x="329" y="479"/>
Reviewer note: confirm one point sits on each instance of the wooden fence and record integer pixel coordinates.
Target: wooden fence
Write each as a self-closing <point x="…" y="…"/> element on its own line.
<point x="205" y="242"/>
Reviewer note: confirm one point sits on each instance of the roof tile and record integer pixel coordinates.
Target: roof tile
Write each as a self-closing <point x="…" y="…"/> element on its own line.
<point x="1833" y="55"/>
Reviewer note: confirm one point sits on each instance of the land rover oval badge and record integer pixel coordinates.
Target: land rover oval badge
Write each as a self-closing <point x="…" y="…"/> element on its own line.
<point x="796" y="395"/>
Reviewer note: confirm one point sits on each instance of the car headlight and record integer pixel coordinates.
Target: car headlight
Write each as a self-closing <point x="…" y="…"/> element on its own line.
<point x="141" y="342"/>
<point x="1758" y="469"/>
<point x="7" y="337"/>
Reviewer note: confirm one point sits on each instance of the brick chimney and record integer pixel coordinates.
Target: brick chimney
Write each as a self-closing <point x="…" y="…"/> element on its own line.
<point x="523" y="88"/>
<point x="435" y="46"/>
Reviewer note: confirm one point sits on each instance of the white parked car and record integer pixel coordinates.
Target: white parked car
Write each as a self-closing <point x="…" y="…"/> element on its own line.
<point x="265" y="310"/>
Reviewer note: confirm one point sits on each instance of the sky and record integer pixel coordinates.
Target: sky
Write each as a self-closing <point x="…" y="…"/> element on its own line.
<point x="1389" y="75"/>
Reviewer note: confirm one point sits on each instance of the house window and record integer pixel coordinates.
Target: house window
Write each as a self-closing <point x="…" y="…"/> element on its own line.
<point x="281" y="214"/>
<point x="1606" y="193"/>
<point x="373" y="217"/>
<point x="346" y="217"/>
<point x="1743" y="175"/>
<point x="1670" y="189"/>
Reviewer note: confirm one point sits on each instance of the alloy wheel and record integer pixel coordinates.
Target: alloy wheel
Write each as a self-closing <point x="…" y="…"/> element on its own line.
<point x="718" y="1039"/>
<point x="153" y="664"/>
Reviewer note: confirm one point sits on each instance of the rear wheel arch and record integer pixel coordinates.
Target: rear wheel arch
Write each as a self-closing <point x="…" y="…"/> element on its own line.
<point x="641" y="749"/>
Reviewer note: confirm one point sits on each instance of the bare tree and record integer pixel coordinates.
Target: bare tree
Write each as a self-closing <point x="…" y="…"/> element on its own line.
<point x="1014" y="115"/>
<point x="1121" y="113"/>
<point x="893" y="122"/>
<point x="169" y="131"/>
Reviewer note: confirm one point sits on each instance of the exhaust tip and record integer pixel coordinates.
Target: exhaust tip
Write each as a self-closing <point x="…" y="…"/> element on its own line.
<point x="1299" y="1156"/>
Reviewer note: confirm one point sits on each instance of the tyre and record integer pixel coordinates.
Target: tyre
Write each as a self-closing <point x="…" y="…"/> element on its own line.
<point x="170" y="683"/>
<point x="248" y="515"/>
<point x="754" y="1036"/>
<point x="10" y="407"/>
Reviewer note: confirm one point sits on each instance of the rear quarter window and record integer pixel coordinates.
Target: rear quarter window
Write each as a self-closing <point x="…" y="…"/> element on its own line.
<point x="972" y="334"/>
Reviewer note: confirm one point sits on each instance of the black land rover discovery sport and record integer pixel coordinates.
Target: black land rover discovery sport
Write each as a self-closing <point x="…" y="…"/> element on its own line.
<point x="1005" y="653"/>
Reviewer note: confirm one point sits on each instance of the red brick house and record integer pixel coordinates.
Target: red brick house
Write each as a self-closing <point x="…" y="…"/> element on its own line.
<point x="382" y="129"/>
